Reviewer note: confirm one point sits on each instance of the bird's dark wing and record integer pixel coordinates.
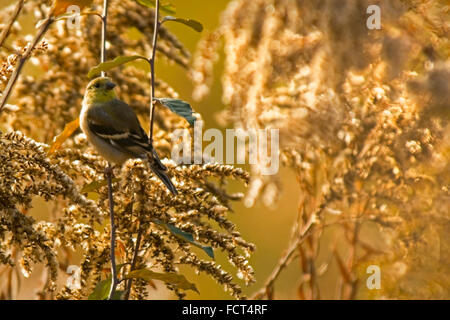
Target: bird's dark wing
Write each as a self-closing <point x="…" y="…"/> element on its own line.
<point x="116" y="123"/>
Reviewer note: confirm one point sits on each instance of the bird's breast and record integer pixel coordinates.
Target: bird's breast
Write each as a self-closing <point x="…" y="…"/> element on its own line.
<point x="102" y="146"/>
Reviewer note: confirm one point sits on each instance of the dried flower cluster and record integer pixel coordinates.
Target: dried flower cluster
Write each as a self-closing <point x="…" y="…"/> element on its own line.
<point x="364" y="124"/>
<point x="75" y="231"/>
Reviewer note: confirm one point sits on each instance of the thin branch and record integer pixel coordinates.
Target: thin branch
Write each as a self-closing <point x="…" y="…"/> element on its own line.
<point x="133" y="262"/>
<point x="152" y="70"/>
<point x="23" y="58"/>
<point x="114" y="281"/>
<point x="104" y="18"/>
<point x="151" y="60"/>
<point x="108" y="170"/>
<point x="7" y="30"/>
<point x="284" y="260"/>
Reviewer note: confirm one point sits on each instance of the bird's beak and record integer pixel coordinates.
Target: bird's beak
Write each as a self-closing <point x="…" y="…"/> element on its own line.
<point x="110" y="85"/>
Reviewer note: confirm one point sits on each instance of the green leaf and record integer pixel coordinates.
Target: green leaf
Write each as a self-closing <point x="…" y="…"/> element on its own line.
<point x="180" y="107"/>
<point x="101" y="291"/>
<point x="164" y="6"/>
<point x="172" y="278"/>
<point x="95" y="185"/>
<point x="194" y="24"/>
<point x="108" y="65"/>
<point x="93" y="196"/>
<point x="186" y="236"/>
<point x="117" y="295"/>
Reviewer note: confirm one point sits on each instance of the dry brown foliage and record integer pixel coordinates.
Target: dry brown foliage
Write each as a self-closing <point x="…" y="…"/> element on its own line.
<point x="364" y="125"/>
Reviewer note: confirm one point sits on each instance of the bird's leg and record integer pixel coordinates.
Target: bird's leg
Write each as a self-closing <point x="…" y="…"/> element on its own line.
<point x="114" y="279"/>
<point x="108" y="170"/>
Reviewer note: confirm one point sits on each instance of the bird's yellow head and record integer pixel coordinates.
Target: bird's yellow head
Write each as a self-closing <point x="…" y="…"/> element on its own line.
<point x="100" y="90"/>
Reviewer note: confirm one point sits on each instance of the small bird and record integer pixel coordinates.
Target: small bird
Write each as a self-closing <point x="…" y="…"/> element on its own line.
<point x="113" y="128"/>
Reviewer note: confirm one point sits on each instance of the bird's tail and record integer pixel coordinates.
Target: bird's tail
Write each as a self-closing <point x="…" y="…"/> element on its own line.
<point x="160" y="169"/>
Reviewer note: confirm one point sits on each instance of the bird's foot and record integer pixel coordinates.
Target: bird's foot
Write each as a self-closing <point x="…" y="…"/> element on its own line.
<point x="109" y="170"/>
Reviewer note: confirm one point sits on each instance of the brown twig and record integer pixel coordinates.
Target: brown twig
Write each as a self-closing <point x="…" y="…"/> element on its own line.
<point x="114" y="278"/>
<point x="23" y="58"/>
<point x="5" y="33"/>
<point x="152" y="70"/>
<point x="104" y="18"/>
<point x="151" y="60"/>
<point x="134" y="261"/>
<point x="284" y="260"/>
<point x="108" y="170"/>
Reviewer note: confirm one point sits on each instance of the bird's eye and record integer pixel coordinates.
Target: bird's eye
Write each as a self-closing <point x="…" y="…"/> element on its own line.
<point x="97" y="85"/>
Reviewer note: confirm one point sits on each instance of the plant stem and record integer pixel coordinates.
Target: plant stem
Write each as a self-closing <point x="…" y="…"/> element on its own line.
<point x="103" y="41"/>
<point x="7" y="30"/>
<point x="133" y="262"/>
<point x="23" y="58"/>
<point x="152" y="70"/>
<point x="300" y="236"/>
<point x="108" y="170"/>
<point x="151" y="60"/>
<point x="114" y="281"/>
